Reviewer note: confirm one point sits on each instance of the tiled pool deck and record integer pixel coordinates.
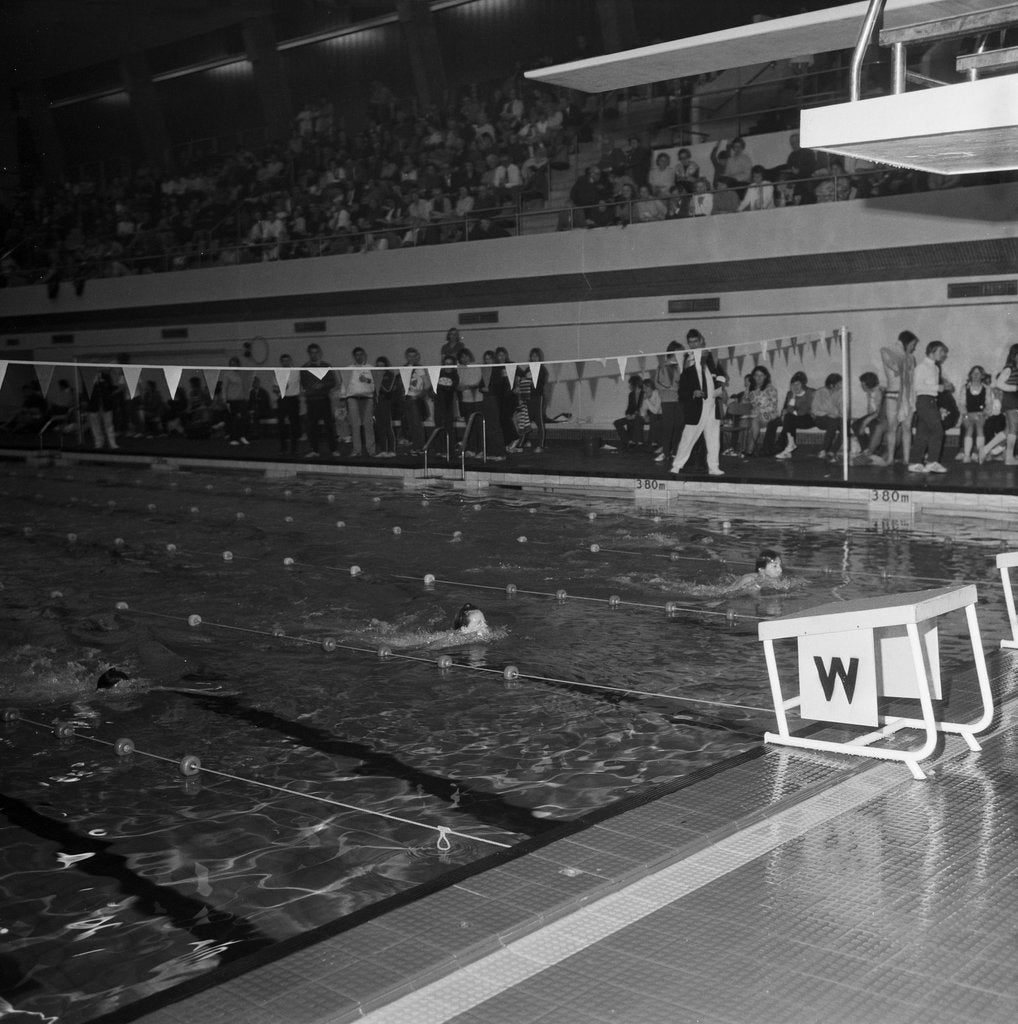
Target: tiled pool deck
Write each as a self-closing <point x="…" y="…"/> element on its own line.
<point x="778" y="887"/>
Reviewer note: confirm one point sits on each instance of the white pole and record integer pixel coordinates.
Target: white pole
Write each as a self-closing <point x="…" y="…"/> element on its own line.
<point x="845" y="438"/>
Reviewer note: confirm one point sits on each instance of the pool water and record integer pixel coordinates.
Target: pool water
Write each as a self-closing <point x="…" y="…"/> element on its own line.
<point x="335" y="780"/>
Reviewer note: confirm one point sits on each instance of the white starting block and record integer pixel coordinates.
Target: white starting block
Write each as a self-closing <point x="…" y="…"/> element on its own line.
<point x="1008" y="560"/>
<point x="853" y="653"/>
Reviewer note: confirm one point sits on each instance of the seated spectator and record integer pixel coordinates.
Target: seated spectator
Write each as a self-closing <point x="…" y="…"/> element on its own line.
<point x="637" y="161"/>
<point x="701" y="202"/>
<point x="152" y="411"/>
<point x="760" y="194"/>
<point x="687" y="171"/>
<point x="661" y="177"/>
<point x="587" y="191"/>
<point x="259" y="404"/>
<point x="795" y="413"/>
<point x="33" y="412"/>
<point x="870" y="428"/>
<point x="763" y="409"/>
<point x="629" y="426"/>
<point x="650" y="412"/>
<point x="601" y="216"/>
<point x="827" y="411"/>
<point x="647" y="208"/>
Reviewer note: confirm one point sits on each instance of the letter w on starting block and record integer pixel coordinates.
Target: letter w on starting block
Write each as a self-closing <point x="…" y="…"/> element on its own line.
<point x="854" y="654"/>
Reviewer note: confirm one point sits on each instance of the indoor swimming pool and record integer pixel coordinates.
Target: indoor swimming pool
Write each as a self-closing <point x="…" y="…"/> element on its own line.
<point x="294" y="636"/>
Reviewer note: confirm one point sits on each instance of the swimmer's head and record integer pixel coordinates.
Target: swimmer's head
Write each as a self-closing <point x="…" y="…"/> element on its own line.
<point x="469" y="618"/>
<point x="768" y="563"/>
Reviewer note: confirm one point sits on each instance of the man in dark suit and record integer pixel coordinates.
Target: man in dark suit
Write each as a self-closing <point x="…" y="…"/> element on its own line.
<point x="701" y="384"/>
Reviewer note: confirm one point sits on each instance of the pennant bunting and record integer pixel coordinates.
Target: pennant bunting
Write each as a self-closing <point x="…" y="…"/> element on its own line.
<point x="172" y="375"/>
<point x="3" y="371"/>
<point x="510" y="372"/>
<point x="211" y="376"/>
<point x="88" y="378"/>
<point x="45" y="375"/>
<point x="132" y="374"/>
<point x="739" y="361"/>
<point x="321" y="371"/>
<point x="282" y="375"/>
<point x="405" y="373"/>
<point x="622" y="360"/>
<point x="581" y="365"/>
<point x="535" y="372"/>
<point x="434" y="372"/>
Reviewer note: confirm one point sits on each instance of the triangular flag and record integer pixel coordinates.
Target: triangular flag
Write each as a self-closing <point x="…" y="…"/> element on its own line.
<point x="172" y="374"/>
<point x="602" y="361"/>
<point x="131" y="376"/>
<point x="88" y="379"/>
<point x="697" y="355"/>
<point x="763" y="347"/>
<point x="622" y="360"/>
<point x="580" y="367"/>
<point x="535" y="370"/>
<point x="282" y="375"/>
<point x="510" y="372"/>
<point x="740" y="360"/>
<point x="405" y="373"/>
<point x="3" y="371"/>
<point x="814" y="345"/>
<point x="45" y="375"/>
<point x="211" y="375"/>
<point x="317" y="371"/>
<point x="828" y="341"/>
<point x="434" y="372"/>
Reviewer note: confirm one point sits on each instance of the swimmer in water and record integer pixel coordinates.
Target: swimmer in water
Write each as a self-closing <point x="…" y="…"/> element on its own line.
<point x="470" y="619"/>
<point x="769" y="574"/>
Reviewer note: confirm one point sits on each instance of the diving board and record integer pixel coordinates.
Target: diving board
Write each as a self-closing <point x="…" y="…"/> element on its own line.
<point x="811" y="32"/>
<point x="854" y="655"/>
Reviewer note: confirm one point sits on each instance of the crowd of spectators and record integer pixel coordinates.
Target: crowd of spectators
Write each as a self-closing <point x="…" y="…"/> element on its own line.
<point x="406" y="179"/>
<point x="628" y="184"/>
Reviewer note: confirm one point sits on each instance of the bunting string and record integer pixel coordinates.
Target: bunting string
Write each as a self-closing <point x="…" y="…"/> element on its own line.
<point x="768" y="349"/>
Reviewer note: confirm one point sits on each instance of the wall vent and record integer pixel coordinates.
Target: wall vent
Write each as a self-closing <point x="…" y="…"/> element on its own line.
<point x="170" y="333"/>
<point x="487" y="316"/>
<point x="981" y="289"/>
<point x="62" y="339"/>
<point x="309" y="327"/>
<point x="711" y="304"/>
<point x="13" y="342"/>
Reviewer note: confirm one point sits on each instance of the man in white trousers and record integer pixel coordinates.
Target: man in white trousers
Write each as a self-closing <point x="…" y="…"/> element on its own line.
<point x="700" y="385"/>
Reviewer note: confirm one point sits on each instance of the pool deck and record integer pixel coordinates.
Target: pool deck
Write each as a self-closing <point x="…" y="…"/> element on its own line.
<point x="779" y="886"/>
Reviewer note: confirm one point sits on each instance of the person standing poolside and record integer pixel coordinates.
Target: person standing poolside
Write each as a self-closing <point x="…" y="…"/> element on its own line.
<point x="927" y="385"/>
<point x="415" y="403"/>
<point x="699" y="388"/>
<point x="360" y="404"/>
<point x="469" y="387"/>
<point x="387" y="405"/>
<point x="235" y="393"/>
<point x="668" y="372"/>
<point x="453" y="344"/>
<point x="899" y="403"/>
<point x="1007" y="383"/>
<point x="317" y="390"/>
<point x="288" y="408"/>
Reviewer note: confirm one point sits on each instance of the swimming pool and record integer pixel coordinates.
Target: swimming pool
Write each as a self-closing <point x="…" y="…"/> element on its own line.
<point x="333" y="778"/>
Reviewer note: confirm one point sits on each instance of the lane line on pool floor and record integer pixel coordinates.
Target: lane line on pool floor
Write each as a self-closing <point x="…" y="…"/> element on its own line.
<point x="443" y="1000"/>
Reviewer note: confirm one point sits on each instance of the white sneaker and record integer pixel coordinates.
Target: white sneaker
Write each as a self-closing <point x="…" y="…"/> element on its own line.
<point x="786" y="454"/>
<point x="660" y="458"/>
<point x="935" y="467"/>
<point x="715" y="472"/>
<point x="821" y="454"/>
<point x="916" y="467"/>
<point x="244" y="440"/>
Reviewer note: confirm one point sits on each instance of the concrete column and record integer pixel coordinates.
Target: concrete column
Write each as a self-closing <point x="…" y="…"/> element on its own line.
<point x="425" y="54"/>
<point x="273" y="91"/>
<point x="44" y="132"/>
<point x="146" y="110"/>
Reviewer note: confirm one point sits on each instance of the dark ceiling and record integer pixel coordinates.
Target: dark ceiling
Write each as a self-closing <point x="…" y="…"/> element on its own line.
<point x="45" y="38"/>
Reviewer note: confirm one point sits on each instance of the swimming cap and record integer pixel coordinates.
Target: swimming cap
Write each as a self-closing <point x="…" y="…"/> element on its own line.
<point x="461" y="616"/>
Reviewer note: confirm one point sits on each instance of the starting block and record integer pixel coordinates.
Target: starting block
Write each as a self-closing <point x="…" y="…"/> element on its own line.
<point x="854" y="653"/>
<point x="1008" y="560"/>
